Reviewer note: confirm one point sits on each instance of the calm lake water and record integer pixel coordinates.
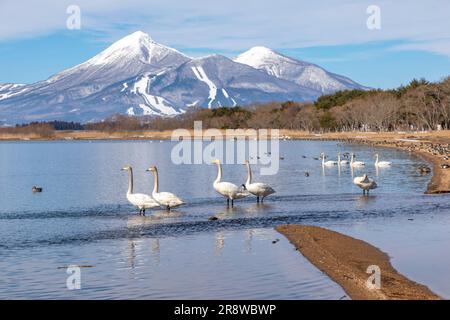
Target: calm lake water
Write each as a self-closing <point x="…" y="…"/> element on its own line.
<point x="83" y="218"/>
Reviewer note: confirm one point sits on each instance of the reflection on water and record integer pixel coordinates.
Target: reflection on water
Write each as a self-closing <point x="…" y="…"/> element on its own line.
<point x="241" y="264"/>
<point x="83" y="218"/>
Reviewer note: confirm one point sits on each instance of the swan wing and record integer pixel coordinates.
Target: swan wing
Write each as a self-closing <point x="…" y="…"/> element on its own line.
<point x="241" y="194"/>
<point x="358" y="180"/>
<point x="260" y="189"/>
<point x="142" y="200"/>
<point x="168" y="199"/>
<point x="227" y="189"/>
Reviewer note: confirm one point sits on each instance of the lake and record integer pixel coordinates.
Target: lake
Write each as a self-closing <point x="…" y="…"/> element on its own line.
<point x="83" y="218"/>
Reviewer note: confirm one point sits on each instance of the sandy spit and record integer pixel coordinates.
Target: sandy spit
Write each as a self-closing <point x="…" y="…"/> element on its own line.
<point x="345" y="260"/>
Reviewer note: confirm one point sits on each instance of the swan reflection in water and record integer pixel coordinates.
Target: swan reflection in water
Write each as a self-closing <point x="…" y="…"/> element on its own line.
<point x="156" y="217"/>
<point x="258" y="208"/>
<point x="220" y="242"/>
<point x="363" y="201"/>
<point x="133" y="251"/>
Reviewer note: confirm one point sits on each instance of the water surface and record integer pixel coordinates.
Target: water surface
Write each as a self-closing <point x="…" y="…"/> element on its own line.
<point x="83" y="218"/>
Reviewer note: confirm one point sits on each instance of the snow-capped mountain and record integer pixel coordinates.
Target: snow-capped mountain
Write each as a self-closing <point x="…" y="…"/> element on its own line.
<point x="303" y="73"/>
<point x="137" y="76"/>
<point x="215" y="81"/>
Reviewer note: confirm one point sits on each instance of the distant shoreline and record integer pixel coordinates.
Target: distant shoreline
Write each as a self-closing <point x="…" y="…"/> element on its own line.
<point x="346" y="260"/>
<point x="424" y="144"/>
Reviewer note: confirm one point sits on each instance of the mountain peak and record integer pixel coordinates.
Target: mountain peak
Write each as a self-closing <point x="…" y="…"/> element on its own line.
<point x="258" y="56"/>
<point x="303" y="73"/>
<point x="138" y="38"/>
<point x="137" y="46"/>
<point x="260" y="50"/>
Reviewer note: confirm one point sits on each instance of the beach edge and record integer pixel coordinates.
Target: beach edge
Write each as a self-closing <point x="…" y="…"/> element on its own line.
<point x="346" y="260"/>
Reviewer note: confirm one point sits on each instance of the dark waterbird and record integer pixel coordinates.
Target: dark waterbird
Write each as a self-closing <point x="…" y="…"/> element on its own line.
<point x="36" y="189"/>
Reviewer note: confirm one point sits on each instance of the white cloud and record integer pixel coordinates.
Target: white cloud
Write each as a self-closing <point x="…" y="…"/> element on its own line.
<point x="239" y="24"/>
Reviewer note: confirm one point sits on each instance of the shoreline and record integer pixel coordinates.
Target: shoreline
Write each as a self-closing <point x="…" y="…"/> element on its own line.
<point x="433" y="147"/>
<point x="345" y="260"/>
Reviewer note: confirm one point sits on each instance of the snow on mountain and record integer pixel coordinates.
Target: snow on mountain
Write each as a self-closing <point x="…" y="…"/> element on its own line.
<point x="153" y="105"/>
<point x="216" y="81"/>
<point x="138" y="76"/>
<point x="8" y="90"/>
<point x="301" y="72"/>
<point x="130" y="56"/>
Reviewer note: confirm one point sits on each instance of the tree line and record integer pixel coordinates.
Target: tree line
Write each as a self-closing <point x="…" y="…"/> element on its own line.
<point x="420" y="105"/>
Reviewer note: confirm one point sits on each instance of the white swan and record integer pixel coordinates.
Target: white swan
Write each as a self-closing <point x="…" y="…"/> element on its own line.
<point x="256" y="188"/>
<point x="329" y="163"/>
<point x="139" y="200"/>
<point x="365" y="183"/>
<point x="342" y="162"/>
<point x="227" y="189"/>
<point x="381" y="164"/>
<point x="166" y="199"/>
<point x="354" y="163"/>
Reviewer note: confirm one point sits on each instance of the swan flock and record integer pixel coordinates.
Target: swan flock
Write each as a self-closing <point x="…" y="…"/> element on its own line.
<point x="233" y="192"/>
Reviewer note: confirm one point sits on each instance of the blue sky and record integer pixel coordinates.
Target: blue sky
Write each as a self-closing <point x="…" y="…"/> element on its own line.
<point x="413" y="42"/>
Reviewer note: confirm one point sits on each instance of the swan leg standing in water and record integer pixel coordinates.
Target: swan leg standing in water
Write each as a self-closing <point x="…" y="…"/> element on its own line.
<point x="139" y="200"/>
<point x="227" y="189"/>
<point x="260" y="190"/>
<point x="165" y="199"/>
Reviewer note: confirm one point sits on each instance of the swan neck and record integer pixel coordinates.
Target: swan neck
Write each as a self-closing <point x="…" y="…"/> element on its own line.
<point x="130" y="181"/>
<point x="156" y="184"/>
<point x="249" y="174"/>
<point x="219" y="173"/>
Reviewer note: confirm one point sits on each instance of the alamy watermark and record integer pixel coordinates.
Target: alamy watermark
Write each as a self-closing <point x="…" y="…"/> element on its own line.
<point x="374" y="281"/>
<point x="374" y="20"/>
<point x="73" y="22"/>
<point x="73" y="281"/>
<point x="230" y="146"/>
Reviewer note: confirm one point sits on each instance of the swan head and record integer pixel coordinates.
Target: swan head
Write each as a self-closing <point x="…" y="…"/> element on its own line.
<point x="126" y="168"/>
<point x="244" y="187"/>
<point x="246" y="162"/>
<point x="152" y="169"/>
<point x="215" y="161"/>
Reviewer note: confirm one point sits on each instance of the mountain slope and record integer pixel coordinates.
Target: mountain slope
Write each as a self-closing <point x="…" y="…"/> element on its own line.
<point x="138" y="76"/>
<point x="303" y="73"/>
<point x="215" y="81"/>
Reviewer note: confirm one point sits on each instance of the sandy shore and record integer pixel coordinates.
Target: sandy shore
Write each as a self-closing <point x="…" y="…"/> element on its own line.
<point x="345" y="260"/>
<point x="432" y="146"/>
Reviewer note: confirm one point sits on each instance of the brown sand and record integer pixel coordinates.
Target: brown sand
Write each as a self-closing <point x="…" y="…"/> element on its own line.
<point x="345" y="260"/>
<point x="423" y="144"/>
